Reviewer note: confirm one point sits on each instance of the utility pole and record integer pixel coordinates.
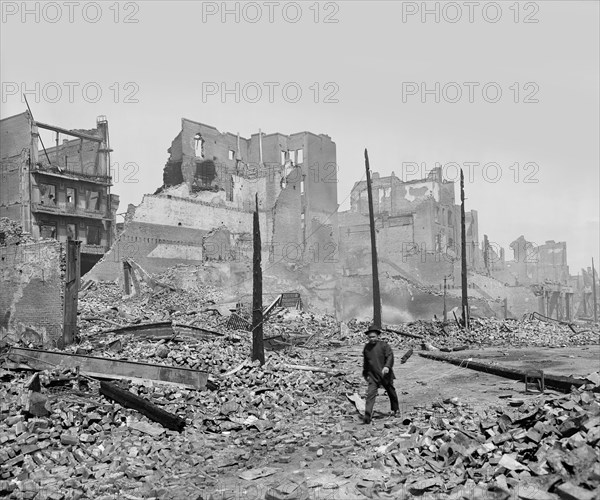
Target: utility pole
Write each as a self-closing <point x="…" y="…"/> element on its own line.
<point x="258" y="348"/>
<point x="594" y="292"/>
<point x="376" y="296"/>
<point x="445" y="308"/>
<point x="463" y="256"/>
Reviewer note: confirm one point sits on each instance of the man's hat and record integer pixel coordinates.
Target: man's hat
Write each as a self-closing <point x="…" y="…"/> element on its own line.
<point x="372" y="328"/>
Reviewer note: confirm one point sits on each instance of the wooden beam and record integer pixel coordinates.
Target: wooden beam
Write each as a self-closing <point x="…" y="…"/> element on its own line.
<point x="69" y="132"/>
<point x="145" y="407"/>
<point x="105" y="368"/>
<point x="557" y="382"/>
<point x="374" y="267"/>
<point x="73" y="253"/>
<point x="404" y="334"/>
<point x="258" y="348"/>
<point x="158" y="329"/>
<point x="126" y="277"/>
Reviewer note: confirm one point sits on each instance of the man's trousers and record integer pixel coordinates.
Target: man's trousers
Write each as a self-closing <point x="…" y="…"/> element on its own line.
<point x="388" y="385"/>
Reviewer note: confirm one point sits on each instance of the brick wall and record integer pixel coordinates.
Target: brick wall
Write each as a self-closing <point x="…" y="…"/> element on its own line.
<point x="31" y="295"/>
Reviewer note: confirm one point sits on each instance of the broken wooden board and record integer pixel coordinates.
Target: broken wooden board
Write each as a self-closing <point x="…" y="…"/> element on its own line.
<point x="109" y="368"/>
<point x="143" y="329"/>
<point x="404" y="334"/>
<point x="358" y="402"/>
<point x="145" y="407"/>
<point x="197" y="331"/>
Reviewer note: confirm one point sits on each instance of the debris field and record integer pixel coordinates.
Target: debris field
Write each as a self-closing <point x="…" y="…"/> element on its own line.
<point x="292" y="428"/>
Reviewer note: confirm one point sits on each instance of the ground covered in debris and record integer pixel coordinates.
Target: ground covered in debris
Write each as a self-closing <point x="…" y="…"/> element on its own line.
<point x="291" y="429"/>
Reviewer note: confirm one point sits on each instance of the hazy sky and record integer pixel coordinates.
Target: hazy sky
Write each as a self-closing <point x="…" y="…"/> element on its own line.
<point x="369" y="69"/>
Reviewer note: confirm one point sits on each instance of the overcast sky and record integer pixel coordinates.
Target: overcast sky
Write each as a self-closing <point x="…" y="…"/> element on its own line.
<point x="368" y="65"/>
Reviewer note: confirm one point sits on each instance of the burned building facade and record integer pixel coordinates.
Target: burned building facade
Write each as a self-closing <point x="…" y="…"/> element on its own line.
<point x="202" y="214"/>
<point x="295" y="177"/>
<point x="60" y="192"/>
<point x="415" y="218"/>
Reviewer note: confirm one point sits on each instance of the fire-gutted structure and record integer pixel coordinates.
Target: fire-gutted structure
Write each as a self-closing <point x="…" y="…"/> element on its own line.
<point x="294" y="175"/>
<point x="418" y="217"/>
<point x="202" y="214"/>
<point x="60" y="191"/>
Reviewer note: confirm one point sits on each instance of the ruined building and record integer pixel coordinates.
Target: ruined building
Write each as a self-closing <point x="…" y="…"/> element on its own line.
<point x="418" y="244"/>
<point x="60" y="191"/>
<point x="414" y="218"/>
<point x="202" y="214"/>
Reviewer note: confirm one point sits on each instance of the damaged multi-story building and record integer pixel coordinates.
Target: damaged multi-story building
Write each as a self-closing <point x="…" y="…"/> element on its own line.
<point x="418" y="217"/>
<point x="418" y="243"/>
<point x="202" y="214"/>
<point x="60" y="191"/>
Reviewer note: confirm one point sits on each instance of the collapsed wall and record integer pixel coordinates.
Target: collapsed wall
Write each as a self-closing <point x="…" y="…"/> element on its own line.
<point x="166" y="230"/>
<point x="31" y="295"/>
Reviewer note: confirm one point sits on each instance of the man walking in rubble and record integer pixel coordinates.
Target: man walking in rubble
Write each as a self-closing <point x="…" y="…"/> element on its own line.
<point x="378" y="362"/>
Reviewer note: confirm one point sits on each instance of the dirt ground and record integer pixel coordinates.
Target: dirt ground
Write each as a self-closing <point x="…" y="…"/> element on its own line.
<point x="421" y="384"/>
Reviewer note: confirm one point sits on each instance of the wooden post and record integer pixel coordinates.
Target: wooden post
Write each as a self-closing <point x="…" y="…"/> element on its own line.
<point x="594" y="292"/>
<point x="486" y="254"/>
<point x="73" y="249"/>
<point x="375" y="272"/>
<point x="126" y="277"/>
<point x="463" y="256"/>
<point x="445" y="307"/>
<point x="258" y="348"/>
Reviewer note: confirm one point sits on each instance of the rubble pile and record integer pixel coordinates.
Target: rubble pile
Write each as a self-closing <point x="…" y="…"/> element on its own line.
<point x="11" y="233"/>
<point x="270" y="425"/>
<point x="105" y="301"/>
<point x="547" y="450"/>
<point x="484" y="332"/>
<point x="78" y="445"/>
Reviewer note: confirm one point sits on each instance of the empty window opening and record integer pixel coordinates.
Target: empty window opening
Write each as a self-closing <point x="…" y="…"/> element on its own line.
<point x="206" y="171"/>
<point x="231" y="154"/>
<point x="47" y="194"/>
<point x="92" y="199"/>
<point x="47" y="230"/>
<point x="70" y="197"/>
<point x="199" y="146"/>
<point x="302" y="188"/>
<point x="93" y="235"/>
<point x="299" y="156"/>
<point x="71" y="231"/>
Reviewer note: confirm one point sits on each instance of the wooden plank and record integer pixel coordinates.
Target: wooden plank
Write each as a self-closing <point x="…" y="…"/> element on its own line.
<point x="404" y="334"/>
<point x="158" y="329"/>
<point x="267" y="311"/>
<point x="145" y="407"/>
<point x="109" y="368"/>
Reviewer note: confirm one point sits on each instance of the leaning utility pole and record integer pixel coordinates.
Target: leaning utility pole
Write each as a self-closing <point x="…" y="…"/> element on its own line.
<point x="376" y="296"/>
<point x="258" y="348"/>
<point x="463" y="256"/>
<point x="594" y="292"/>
